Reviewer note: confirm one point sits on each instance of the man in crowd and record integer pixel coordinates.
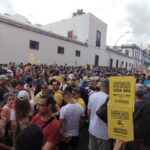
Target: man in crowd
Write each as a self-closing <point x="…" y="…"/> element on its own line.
<point x="49" y="125"/>
<point x="71" y="117"/>
<point x="78" y="99"/>
<point x="97" y="128"/>
<point x="58" y="93"/>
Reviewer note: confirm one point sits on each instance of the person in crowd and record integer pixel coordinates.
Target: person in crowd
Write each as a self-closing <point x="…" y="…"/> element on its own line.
<point x="71" y="118"/>
<point x="63" y="84"/>
<point x="44" y="88"/>
<point x="20" y="115"/>
<point x="139" y="96"/>
<point x="147" y="94"/>
<point x="3" y="88"/>
<point x="98" y="129"/>
<point x="147" y="81"/>
<point x="83" y="91"/>
<point x="31" y="138"/>
<point x="77" y="97"/>
<point x="49" y="124"/>
<point x="58" y="93"/>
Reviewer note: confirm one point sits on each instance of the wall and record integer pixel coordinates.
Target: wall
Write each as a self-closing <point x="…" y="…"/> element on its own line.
<point x="79" y="24"/>
<point x="14" y="46"/>
<point x="96" y="24"/>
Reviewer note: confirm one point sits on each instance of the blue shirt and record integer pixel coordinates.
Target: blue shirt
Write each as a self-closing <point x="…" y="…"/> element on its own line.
<point x="146" y="83"/>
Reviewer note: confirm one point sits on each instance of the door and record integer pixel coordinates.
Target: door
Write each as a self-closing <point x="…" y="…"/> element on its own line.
<point x="96" y="60"/>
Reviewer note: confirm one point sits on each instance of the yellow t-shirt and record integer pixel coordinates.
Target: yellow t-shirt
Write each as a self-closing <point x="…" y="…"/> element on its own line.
<point x="37" y="97"/>
<point x="58" y="97"/>
<point x="81" y="102"/>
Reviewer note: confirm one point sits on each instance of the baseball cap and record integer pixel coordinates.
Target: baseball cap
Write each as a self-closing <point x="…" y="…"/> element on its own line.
<point x="3" y="77"/>
<point x="23" y="95"/>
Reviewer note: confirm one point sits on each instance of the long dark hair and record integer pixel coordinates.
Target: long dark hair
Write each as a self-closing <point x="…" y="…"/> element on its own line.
<point x="22" y="109"/>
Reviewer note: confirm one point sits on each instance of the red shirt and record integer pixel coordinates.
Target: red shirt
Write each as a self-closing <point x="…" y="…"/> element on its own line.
<point x="51" y="132"/>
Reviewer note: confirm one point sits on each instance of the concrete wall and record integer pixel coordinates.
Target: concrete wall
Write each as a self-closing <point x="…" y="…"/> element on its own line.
<point x="96" y="24"/>
<point x="14" y="47"/>
<point x="121" y="58"/>
<point x="84" y="27"/>
<point x="79" y="25"/>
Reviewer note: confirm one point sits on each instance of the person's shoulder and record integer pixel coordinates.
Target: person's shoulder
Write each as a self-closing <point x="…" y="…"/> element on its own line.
<point x="35" y="118"/>
<point x="55" y="123"/>
<point x="79" y="107"/>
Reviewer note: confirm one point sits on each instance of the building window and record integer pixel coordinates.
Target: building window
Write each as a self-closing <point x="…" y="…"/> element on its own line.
<point x="77" y="54"/>
<point x="60" y="50"/>
<point x="98" y="38"/>
<point x="111" y="63"/>
<point x="96" y="60"/>
<point x="126" y="65"/>
<point x="127" y="52"/>
<point x="34" y="45"/>
<point x="70" y="34"/>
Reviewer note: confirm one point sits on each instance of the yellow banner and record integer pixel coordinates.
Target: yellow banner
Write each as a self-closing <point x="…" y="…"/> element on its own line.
<point x="32" y="58"/>
<point x="120" y="123"/>
<point x="122" y="91"/>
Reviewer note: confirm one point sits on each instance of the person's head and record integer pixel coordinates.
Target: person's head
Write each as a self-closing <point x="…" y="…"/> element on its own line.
<point x="139" y="91"/>
<point x="3" y="79"/>
<point x="22" y="105"/>
<point x="148" y="77"/>
<point x="55" y="85"/>
<point x="31" y="138"/>
<point x="148" y="88"/>
<point x="50" y="92"/>
<point x="45" y="105"/>
<point x="105" y="86"/>
<point x="10" y="98"/>
<point x="77" y="82"/>
<point x="67" y="96"/>
<point x="76" y="93"/>
<point x="44" y="88"/>
<point x="13" y="84"/>
<point x="20" y="84"/>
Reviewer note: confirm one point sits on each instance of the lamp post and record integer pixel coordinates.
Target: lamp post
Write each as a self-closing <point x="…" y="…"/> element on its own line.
<point x="120" y="37"/>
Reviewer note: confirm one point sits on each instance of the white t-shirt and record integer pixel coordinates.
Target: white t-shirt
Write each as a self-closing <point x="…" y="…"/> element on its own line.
<point x="97" y="127"/>
<point x="71" y="113"/>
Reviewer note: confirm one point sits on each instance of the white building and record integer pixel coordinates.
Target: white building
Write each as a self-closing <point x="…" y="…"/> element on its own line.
<point x="80" y="40"/>
<point x="140" y="58"/>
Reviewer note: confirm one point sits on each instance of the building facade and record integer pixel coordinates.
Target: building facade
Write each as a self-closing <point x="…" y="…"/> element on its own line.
<point x="80" y="40"/>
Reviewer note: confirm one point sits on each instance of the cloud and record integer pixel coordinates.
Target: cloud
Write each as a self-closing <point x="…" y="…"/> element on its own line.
<point x="139" y="19"/>
<point x="6" y="6"/>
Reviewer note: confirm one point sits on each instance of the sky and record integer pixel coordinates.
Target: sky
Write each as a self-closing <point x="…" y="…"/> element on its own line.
<point x="119" y="15"/>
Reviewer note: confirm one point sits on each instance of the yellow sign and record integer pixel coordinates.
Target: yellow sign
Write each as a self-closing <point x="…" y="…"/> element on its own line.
<point x="122" y="91"/>
<point x="32" y="58"/>
<point x="120" y="123"/>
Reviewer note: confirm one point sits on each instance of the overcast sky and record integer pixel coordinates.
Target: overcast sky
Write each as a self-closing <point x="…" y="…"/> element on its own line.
<point x="120" y="15"/>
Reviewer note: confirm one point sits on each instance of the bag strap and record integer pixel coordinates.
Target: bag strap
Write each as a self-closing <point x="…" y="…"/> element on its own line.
<point x="48" y="122"/>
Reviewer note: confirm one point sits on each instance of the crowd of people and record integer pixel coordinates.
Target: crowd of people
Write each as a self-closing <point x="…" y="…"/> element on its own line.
<point x="45" y="107"/>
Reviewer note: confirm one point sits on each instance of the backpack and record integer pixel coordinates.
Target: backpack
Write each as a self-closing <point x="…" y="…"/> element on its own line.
<point x="102" y="111"/>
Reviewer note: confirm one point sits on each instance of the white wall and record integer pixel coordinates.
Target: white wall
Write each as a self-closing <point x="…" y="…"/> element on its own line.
<point x="85" y="28"/>
<point x="116" y="56"/>
<point x="79" y="24"/>
<point x="96" y="24"/>
<point x="14" y="46"/>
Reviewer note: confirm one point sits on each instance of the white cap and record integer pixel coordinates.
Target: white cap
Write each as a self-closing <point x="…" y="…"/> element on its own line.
<point x="23" y="95"/>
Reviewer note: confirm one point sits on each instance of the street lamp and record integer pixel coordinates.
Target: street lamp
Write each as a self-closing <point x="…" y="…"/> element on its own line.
<point x="120" y="37"/>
